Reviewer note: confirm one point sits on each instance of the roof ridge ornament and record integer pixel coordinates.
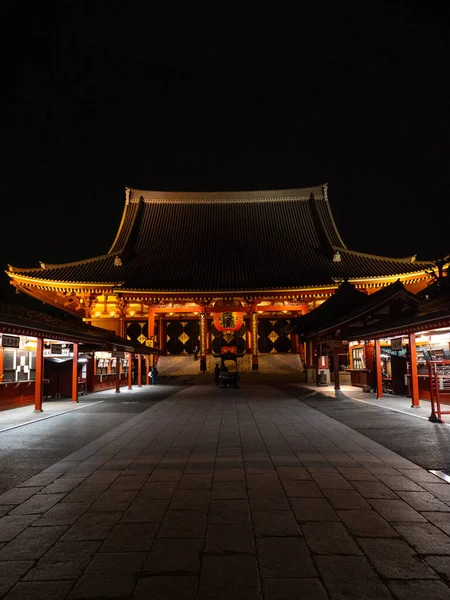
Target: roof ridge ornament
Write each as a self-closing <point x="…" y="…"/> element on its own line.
<point x="117" y="261"/>
<point x="337" y="256"/>
<point x="43" y="265"/>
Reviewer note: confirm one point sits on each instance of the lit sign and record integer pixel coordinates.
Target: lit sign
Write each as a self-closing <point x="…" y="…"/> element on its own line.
<point x="228" y="321"/>
<point x="396" y="344"/>
<point x="10" y="341"/>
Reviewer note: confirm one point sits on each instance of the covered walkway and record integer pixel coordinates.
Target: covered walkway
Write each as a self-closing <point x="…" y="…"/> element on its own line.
<point x="217" y="493"/>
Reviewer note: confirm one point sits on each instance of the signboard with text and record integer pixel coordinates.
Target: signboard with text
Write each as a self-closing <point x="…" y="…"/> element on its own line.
<point x="10" y="341"/>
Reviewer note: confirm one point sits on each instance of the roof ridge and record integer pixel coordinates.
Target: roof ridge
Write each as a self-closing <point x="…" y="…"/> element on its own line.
<point x="407" y="259"/>
<point x="46" y="266"/>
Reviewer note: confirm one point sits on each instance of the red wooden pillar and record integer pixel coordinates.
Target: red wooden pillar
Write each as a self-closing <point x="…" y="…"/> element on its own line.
<point x="139" y="357"/>
<point x="117" y="375"/>
<point x="378" y="373"/>
<point x="38" y="390"/>
<point x="75" y="373"/>
<point x="413" y="373"/>
<point x="162" y="334"/>
<point x="1" y="362"/>
<point x="151" y="328"/>
<point x="249" y="336"/>
<point x="336" y="370"/>
<point x="147" y="370"/>
<point x="90" y="374"/>
<point x="130" y="366"/>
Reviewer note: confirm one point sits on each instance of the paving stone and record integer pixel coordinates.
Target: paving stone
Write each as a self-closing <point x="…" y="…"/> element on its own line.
<point x="229" y="489"/>
<point x="11" y="572"/>
<point x="293" y="589"/>
<point x="109" y="575"/>
<point x="284" y="557"/>
<point x="165" y="475"/>
<point x="419" y="475"/>
<point x="275" y="523"/>
<point x="424" y="537"/>
<point x="65" y="560"/>
<point x="301" y="489"/>
<point x="167" y="588"/>
<point x="374" y="489"/>
<point x="440" y="519"/>
<point x="356" y="474"/>
<point x="346" y="499"/>
<point x="233" y="512"/>
<point x="295" y="473"/>
<point x="225" y="577"/>
<point x="440" y="490"/>
<point x="114" y="501"/>
<point x="394" y="559"/>
<point x="61" y="514"/>
<point x="229" y="450"/>
<point x="62" y="485"/>
<point x="18" y="495"/>
<point x="178" y="555"/>
<point x="130" y="537"/>
<point x="128" y="482"/>
<point x="313" y="509"/>
<point x="91" y="526"/>
<point x="195" y="482"/>
<point x="264" y="481"/>
<point x="232" y="474"/>
<point x="31" y="544"/>
<point x="159" y="489"/>
<point x="190" y="499"/>
<point x="39" y="503"/>
<point x="86" y="493"/>
<point x="268" y="499"/>
<point x="5" y="509"/>
<point x="366" y="523"/>
<point x="424" y="501"/>
<point x="329" y="538"/>
<point x="40" y="480"/>
<point x="145" y="510"/>
<point x="183" y="524"/>
<point x="328" y="481"/>
<point x="40" y="590"/>
<point x="396" y="510"/>
<point x="419" y="590"/>
<point x="399" y="483"/>
<point x="10" y="526"/>
<point x="441" y="564"/>
<point x="229" y="538"/>
<point x="351" y="577"/>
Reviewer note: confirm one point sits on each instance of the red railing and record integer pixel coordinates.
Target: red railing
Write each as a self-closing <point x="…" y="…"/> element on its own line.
<point x="439" y="371"/>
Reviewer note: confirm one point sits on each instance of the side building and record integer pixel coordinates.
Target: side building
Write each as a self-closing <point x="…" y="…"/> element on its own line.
<point x="224" y="272"/>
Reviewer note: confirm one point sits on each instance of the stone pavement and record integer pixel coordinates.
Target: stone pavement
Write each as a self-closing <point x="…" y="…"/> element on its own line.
<point x="227" y="494"/>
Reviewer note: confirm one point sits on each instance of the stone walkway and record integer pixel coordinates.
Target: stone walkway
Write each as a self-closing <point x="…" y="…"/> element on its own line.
<point x="223" y="493"/>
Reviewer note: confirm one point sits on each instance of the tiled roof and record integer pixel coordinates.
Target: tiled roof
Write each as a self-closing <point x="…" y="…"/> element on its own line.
<point x="349" y="305"/>
<point x="35" y="322"/>
<point x="226" y="241"/>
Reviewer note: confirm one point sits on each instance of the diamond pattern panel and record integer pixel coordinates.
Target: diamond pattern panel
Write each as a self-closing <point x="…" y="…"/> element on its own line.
<point x="271" y="337"/>
<point x="182" y="336"/>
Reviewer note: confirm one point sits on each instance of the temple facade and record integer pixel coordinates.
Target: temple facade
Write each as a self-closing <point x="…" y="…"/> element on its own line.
<point x="221" y="272"/>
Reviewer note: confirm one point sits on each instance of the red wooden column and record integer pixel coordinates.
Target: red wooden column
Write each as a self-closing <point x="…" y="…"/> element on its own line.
<point x="151" y="329"/>
<point x="139" y="357"/>
<point x="147" y="370"/>
<point x="117" y="375"/>
<point x="130" y="365"/>
<point x="75" y="373"/>
<point x="38" y="390"/>
<point x="162" y="334"/>
<point x="378" y="373"/>
<point x="336" y="370"/>
<point x="413" y="373"/>
<point x="1" y="363"/>
<point x="249" y="336"/>
<point x="255" y="341"/>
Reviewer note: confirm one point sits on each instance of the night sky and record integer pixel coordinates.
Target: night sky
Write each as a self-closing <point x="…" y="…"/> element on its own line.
<point x="100" y="97"/>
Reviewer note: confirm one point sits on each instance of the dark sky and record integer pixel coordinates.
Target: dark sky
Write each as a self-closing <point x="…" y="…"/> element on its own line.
<point x="100" y="97"/>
